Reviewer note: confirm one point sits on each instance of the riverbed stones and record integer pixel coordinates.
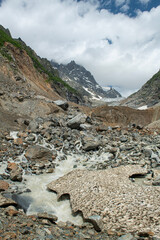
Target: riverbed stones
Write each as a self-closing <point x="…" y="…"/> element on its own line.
<point x="37" y="153"/>
<point x="120" y="203"/>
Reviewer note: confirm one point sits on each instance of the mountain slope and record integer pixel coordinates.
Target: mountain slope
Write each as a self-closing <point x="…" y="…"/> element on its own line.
<point x="10" y="47"/>
<point x="79" y="78"/>
<point x="28" y="84"/>
<point x="148" y="95"/>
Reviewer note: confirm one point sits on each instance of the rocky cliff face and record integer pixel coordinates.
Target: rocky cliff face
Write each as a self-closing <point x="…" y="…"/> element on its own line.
<point x="79" y="78"/>
<point x="148" y="95"/>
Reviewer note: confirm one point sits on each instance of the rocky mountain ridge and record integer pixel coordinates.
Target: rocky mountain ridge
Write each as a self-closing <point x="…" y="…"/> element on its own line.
<point x="112" y="93"/>
<point x="148" y="95"/>
<point x="79" y="78"/>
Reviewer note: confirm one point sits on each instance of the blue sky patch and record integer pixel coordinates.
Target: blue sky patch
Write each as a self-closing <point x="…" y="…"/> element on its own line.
<point x="127" y="7"/>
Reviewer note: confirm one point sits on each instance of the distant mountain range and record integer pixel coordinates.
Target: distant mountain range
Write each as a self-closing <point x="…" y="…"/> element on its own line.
<point x="79" y="78"/>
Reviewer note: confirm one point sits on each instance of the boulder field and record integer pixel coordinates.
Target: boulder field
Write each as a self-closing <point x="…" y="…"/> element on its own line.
<point x="112" y="179"/>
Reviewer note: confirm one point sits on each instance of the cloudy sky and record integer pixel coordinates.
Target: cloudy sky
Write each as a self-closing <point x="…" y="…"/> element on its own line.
<point x="117" y="40"/>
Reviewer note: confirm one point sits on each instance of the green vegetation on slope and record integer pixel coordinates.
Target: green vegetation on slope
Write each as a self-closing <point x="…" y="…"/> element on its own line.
<point x="4" y="37"/>
<point x="154" y="78"/>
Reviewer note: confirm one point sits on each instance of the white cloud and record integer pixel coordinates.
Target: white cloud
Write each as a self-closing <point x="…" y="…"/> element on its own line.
<point x="119" y="2"/>
<point x="67" y="30"/>
<point x="124" y="8"/>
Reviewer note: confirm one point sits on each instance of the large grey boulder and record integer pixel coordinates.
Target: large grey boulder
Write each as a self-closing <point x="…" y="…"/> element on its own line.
<point x="90" y="143"/>
<point x="75" y="122"/>
<point x="63" y="104"/>
<point x="38" y="153"/>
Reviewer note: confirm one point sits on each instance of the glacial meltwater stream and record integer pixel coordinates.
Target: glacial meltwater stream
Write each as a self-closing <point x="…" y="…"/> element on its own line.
<point x="46" y="201"/>
<point x="39" y="199"/>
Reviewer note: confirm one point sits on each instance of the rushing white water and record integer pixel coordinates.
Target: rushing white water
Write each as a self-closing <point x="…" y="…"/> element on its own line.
<point x="45" y="201"/>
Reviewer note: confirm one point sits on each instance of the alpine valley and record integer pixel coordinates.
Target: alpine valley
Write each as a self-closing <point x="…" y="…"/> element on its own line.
<point x="69" y="170"/>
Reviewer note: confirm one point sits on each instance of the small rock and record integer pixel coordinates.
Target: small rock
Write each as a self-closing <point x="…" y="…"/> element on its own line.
<point x="12" y="166"/>
<point x="102" y="128"/>
<point x="16" y="175"/>
<point x="143" y="234"/>
<point x="50" y="170"/>
<point x="1" y="93"/>
<point x="11" y="211"/>
<point x="3" y="185"/>
<point x="96" y="221"/>
<point x="47" y="216"/>
<point x="128" y="236"/>
<point x="123" y="139"/>
<point x="33" y="126"/>
<point x="30" y="138"/>
<point x="18" y="141"/>
<point x="4" y="202"/>
<point x="110" y="232"/>
<point x="85" y="126"/>
<point x="156" y="182"/>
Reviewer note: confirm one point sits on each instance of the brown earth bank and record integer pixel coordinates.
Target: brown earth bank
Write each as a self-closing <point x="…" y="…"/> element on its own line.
<point x="124" y="116"/>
